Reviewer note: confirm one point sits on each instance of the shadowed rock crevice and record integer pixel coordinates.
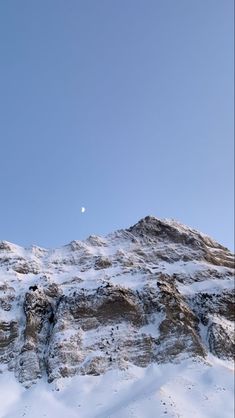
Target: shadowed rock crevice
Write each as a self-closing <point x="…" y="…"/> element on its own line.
<point x="39" y="310"/>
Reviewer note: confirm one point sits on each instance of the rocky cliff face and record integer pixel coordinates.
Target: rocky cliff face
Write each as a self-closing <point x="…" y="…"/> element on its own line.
<point x="156" y="292"/>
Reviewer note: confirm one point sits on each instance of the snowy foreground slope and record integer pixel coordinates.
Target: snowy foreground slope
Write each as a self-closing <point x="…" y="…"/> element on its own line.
<point x="136" y="324"/>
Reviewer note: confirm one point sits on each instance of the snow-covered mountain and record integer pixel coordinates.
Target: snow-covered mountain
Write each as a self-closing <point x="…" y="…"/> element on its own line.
<point x="138" y="306"/>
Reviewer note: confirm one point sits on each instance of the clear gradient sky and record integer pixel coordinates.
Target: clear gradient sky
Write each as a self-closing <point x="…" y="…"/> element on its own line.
<point x="125" y="107"/>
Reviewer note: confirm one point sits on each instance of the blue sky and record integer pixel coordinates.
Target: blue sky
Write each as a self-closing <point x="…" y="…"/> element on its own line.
<point x="125" y="107"/>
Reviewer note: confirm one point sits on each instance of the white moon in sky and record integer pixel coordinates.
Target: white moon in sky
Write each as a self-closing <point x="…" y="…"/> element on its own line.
<point x="83" y="209"/>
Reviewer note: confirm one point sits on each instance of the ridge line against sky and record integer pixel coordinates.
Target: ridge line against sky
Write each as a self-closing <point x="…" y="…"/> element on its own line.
<point x="125" y="108"/>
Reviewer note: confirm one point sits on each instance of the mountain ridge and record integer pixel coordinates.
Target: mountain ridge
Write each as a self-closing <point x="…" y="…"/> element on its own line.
<point x="149" y="218"/>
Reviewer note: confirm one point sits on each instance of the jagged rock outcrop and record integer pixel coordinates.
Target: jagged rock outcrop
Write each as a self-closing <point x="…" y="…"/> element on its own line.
<point x="156" y="292"/>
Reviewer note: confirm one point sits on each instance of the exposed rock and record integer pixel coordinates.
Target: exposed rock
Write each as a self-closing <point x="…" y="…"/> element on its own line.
<point x="221" y="340"/>
<point x="26" y="268"/>
<point x="102" y="263"/>
<point x="8" y="335"/>
<point x="6" y="246"/>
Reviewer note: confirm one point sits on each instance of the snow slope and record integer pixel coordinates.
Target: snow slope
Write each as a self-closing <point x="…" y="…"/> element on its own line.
<point x="189" y="389"/>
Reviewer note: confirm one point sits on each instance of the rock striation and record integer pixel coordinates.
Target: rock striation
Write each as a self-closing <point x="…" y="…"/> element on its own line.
<point x="156" y="292"/>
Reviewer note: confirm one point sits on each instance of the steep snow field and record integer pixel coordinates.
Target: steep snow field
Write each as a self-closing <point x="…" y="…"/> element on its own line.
<point x="190" y="389"/>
